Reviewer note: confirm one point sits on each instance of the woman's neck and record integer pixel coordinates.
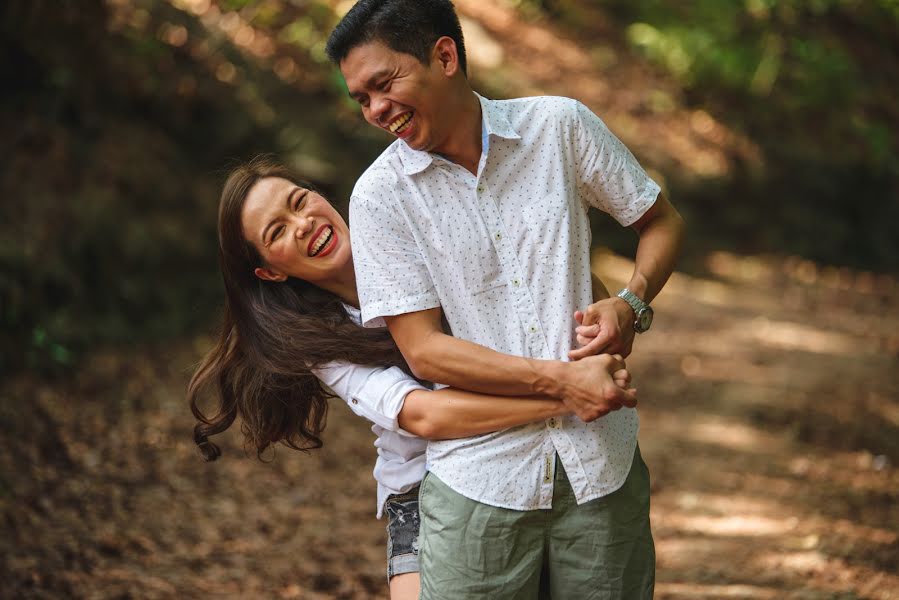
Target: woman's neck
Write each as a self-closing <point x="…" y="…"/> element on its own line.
<point x="344" y="286"/>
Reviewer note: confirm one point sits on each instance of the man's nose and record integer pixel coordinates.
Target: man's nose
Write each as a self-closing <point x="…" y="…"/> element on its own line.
<point x="378" y="107"/>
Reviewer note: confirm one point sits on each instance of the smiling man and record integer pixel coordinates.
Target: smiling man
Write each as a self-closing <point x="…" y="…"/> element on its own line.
<point x="478" y="212"/>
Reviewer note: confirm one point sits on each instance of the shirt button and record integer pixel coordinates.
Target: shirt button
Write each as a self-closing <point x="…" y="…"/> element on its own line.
<point x="355" y="401"/>
<point x="516" y="282"/>
<point x="552" y="423"/>
<point x="532" y="329"/>
<point x="498" y="235"/>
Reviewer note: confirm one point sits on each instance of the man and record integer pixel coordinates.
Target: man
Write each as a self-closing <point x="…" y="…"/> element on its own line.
<point x="478" y="212"/>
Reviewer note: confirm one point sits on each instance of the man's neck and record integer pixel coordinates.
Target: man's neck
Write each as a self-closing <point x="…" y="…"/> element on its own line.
<point x="463" y="146"/>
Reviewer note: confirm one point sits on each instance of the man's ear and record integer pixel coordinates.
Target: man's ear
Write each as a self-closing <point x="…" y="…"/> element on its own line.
<point x="269" y="275"/>
<point x="447" y="55"/>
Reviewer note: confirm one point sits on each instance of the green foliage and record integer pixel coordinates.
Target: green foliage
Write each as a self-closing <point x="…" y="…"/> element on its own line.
<point x="812" y="83"/>
<point x="118" y="134"/>
<point x="800" y="57"/>
<point x="120" y="143"/>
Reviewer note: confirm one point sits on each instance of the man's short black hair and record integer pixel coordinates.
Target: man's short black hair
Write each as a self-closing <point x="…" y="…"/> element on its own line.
<point x="408" y="26"/>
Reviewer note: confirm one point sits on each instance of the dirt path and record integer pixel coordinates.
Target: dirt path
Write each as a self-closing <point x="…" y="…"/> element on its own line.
<point x="770" y="418"/>
<point x="769" y="422"/>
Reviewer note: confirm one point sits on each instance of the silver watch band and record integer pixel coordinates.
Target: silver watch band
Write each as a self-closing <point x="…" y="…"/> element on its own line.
<point x="633" y="299"/>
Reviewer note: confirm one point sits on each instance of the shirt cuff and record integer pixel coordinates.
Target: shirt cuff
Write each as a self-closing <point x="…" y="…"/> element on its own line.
<point x="384" y="397"/>
<point x="372" y="310"/>
<point x="644" y="203"/>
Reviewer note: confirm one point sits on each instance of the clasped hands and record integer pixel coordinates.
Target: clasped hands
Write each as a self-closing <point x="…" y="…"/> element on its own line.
<point x="599" y="381"/>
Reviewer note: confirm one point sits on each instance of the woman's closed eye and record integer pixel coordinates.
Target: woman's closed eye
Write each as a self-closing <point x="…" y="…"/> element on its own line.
<point x="276" y="234"/>
<point x="299" y="200"/>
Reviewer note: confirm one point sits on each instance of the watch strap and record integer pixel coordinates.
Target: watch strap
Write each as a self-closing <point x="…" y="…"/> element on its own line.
<point x="633" y="300"/>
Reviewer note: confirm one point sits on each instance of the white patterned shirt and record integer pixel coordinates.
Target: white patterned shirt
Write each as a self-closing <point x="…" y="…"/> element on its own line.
<point x="506" y="254"/>
<point x="378" y="394"/>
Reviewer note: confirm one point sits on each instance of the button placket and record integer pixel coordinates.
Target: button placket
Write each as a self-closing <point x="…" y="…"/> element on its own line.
<point x="509" y="259"/>
<point x="548" y="468"/>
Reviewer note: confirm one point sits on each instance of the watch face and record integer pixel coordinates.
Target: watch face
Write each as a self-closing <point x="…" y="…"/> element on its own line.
<point x="644" y="320"/>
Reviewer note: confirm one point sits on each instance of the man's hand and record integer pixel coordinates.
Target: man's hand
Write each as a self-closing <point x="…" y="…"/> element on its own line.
<point x="595" y="386"/>
<point x="606" y="326"/>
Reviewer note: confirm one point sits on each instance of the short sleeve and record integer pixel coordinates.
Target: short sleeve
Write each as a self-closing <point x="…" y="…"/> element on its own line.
<point x="391" y="274"/>
<point x="608" y="176"/>
<point x="375" y="393"/>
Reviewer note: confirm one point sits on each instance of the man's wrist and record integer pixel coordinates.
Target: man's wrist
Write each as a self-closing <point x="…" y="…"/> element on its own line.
<point x="642" y="312"/>
<point x="549" y="375"/>
<point x="624" y="309"/>
<point x="638" y="286"/>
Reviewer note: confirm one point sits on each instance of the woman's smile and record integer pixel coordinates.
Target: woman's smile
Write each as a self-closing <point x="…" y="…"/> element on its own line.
<point x="323" y="242"/>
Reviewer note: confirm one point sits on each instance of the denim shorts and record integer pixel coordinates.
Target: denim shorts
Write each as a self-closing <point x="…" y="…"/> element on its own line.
<point x="402" y="533"/>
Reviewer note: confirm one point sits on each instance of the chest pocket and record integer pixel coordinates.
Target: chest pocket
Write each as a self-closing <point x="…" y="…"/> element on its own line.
<point x="472" y="260"/>
<point x="549" y="224"/>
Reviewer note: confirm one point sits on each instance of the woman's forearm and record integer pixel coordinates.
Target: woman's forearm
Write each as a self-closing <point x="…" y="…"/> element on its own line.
<point x="452" y="413"/>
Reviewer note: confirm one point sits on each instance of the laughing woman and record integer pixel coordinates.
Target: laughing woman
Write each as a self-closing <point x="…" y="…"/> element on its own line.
<point x="291" y="335"/>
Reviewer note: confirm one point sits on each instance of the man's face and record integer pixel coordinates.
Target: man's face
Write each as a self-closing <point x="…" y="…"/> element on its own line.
<point x="398" y="93"/>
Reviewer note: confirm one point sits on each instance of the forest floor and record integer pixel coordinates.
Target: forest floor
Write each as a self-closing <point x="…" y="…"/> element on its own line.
<point x="770" y="424"/>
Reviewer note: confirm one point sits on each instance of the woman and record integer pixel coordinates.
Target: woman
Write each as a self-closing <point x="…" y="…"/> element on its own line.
<point x="292" y="330"/>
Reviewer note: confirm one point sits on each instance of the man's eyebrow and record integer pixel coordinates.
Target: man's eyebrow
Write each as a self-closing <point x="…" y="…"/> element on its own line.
<point x="370" y="82"/>
<point x="289" y="203"/>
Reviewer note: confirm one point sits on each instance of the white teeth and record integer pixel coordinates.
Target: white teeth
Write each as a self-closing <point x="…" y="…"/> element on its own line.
<point x="401" y="123"/>
<point x="323" y="239"/>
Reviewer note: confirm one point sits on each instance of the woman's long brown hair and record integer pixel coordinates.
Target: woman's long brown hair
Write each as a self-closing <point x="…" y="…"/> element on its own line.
<point x="271" y="336"/>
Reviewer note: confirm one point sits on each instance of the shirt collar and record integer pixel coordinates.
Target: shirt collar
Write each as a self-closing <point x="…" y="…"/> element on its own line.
<point x="493" y="122"/>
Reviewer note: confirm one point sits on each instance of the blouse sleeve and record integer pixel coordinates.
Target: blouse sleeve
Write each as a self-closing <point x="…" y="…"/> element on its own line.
<point x="376" y="393"/>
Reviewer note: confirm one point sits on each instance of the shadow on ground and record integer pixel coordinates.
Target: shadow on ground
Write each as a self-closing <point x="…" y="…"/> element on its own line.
<point x="769" y="422"/>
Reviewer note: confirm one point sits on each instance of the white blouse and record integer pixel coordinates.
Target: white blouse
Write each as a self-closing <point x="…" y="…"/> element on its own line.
<point x="378" y="393"/>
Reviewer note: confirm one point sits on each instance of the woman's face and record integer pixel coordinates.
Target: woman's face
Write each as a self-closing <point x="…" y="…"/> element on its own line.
<point x="297" y="232"/>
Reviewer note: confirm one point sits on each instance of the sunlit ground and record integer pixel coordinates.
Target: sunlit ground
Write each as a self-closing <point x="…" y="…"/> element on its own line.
<point x="773" y="464"/>
<point x="769" y="420"/>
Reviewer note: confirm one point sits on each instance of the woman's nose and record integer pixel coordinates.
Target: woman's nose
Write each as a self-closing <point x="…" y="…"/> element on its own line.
<point x="304" y="226"/>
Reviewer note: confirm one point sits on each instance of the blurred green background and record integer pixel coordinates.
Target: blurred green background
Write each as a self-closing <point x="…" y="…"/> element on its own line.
<point x="772" y="124"/>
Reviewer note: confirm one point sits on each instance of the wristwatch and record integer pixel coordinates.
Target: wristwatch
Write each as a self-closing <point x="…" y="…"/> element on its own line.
<point x="642" y="311"/>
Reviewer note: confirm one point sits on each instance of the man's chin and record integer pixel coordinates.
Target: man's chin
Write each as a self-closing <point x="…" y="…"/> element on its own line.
<point x="412" y="143"/>
<point x="421" y="147"/>
<point x="415" y="142"/>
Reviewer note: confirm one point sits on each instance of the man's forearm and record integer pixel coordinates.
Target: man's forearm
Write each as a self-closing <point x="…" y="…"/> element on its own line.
<point x="660" y="244"/>
<point x="459" y="363"/>
<point x="587" y="387"/>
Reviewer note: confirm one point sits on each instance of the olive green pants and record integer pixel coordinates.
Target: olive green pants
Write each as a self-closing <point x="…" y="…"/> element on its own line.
<point x="601" y="550"/>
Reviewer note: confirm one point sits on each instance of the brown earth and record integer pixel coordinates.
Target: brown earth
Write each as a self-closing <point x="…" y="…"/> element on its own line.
<point x="769" y="423"/>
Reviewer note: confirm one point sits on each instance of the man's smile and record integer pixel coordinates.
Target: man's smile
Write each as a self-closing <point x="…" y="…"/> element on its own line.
<point x="400" y="123"/>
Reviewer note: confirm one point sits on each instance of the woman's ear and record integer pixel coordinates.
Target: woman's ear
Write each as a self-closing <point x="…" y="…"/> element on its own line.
<point x="269" y="275"/>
